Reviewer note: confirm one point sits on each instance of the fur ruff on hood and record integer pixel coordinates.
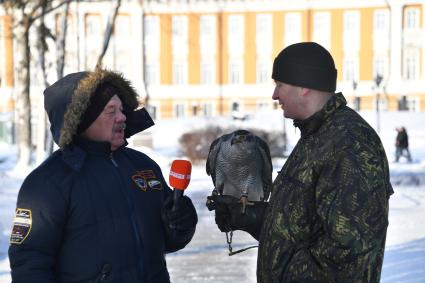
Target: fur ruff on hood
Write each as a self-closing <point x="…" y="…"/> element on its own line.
<point x="67" y="100"/>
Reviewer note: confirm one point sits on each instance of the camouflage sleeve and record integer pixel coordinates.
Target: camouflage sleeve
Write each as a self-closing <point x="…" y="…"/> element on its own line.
<point x="352" y="204"/>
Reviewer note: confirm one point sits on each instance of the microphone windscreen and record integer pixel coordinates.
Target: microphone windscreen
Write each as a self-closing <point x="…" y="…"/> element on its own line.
<point x="180" y="174"/>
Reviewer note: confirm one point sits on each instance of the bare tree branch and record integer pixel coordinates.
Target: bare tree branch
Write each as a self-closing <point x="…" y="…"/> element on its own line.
<point x="47" y="11"/>
<point x="108" y="33"/>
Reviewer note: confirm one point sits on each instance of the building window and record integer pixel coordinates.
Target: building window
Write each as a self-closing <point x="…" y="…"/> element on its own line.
<point x="151" y="27"/>
<point x="407" y="104"/>
<point x="179" y="27"/>
<point x="379" y="67"/>
<point x="207" y="23"/>
<point x="122" y="26"/>
<point x="93" y="25"/>
<point x="349" y="70"/>
<point x="206" y="73"/>
<point x="357" y="103"/>
<point x="411" y="65"/>
<point x="380" y="21"/>
<point x="235" y="107"/>
<point x="151" y="74"/>
<point x="292" y="28"/>
<point x="178" y="74"/>
<point x="264" y="34"/>
<point x="207" y="109"/>
<point x="322" y="29"/>
<point x="350" y="22"/>
<point x="411" y="18"/>
<point x="411" y="68"/>
<point x="351" y="32"/>
<point x="207" y="38"/>
<point x="93" y="40"/>
<point x="179" y="110"/>
<point x="179" y="38"/>
<point x="236" y="34"/>
<point x="153" y="111"/>
<point x="263" y="105"/>
<point x="262" y="72"/>
<point x="235" y="70"/>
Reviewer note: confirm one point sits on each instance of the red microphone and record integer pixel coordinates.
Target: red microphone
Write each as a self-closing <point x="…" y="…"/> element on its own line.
<point x="179" y="177"/>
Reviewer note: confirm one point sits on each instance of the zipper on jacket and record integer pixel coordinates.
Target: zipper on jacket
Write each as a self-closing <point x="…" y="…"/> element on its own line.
<point x="106" y="270"/>
<point x="113" y="160"/>
<point x="137" y="235"/>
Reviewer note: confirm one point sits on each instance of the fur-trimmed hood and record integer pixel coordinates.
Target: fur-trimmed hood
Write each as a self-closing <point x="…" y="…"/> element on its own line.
<point x="66" y="101"/>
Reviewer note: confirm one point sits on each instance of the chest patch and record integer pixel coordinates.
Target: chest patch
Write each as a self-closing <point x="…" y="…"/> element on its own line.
<point x="21" y="226"/>
<point x="146" y="179"/>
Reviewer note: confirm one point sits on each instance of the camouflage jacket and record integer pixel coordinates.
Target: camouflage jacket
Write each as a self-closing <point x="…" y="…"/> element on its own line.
<point x="328" y="212"/>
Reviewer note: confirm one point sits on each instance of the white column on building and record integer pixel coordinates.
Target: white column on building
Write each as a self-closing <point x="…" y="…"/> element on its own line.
<point x="396" y="22"/>
<point x="422" y="28"/>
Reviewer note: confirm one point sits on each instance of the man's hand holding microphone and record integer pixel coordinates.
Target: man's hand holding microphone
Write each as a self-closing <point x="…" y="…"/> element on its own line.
<point x="178" y="213"/>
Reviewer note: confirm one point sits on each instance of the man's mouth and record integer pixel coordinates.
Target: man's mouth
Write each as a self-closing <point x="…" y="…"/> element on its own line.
<point x="120" y="128"/>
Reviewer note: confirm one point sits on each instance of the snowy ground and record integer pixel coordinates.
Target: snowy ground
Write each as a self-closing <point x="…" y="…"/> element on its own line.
<point x="205" y="259"/>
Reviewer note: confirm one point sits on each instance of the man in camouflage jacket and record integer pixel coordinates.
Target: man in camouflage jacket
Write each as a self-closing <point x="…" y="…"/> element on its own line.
<point x="327" y="217"/>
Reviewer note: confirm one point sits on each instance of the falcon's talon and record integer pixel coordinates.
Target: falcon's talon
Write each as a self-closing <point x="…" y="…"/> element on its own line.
<point x="245" y="202"/>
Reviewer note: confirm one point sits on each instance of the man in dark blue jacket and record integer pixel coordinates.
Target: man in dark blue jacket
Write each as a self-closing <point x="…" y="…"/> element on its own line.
<point x="95" y="210"/>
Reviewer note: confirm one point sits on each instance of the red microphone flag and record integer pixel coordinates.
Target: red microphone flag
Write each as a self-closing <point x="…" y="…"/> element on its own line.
<point x="180" y="174"/>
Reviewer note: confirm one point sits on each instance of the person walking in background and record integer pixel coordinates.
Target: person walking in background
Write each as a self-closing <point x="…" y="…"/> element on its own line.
<point x="327" y="217"/>
<point x="402" y="145"/>
<point x="95" y="210"/>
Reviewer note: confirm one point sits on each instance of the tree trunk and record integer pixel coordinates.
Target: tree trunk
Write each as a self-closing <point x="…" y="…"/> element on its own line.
<point x="22" y="92"/>
<point x="42" y="119"/>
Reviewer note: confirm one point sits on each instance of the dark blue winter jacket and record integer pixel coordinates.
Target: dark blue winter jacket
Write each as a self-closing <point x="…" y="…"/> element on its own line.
<point x="91" y="215"/>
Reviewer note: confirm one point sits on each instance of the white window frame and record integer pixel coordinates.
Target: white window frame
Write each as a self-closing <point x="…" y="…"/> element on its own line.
<point x="208" y="35"/>
<point x="264" y="36"/>
<point x="236" y="36"/>
<point x="235" y="72"/>
<point x="292" y="28"/>
<point x="411" y="18"/>
<point x="179" y="110"/>
<point x="322" y="29"/>
<point x="207" y="72"/>
<point x="179" y="73"/>
<point x="351" y="30"/>
<point x="152" y="73"/>
<point x="207" y="109"/>
<point x="262" y="72"/>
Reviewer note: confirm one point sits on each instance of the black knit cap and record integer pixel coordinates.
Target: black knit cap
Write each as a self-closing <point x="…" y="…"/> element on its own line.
<point x="306" y="64"/>
<point x="98" y="101"/>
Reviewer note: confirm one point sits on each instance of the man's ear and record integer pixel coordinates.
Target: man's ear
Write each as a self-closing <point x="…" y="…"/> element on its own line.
<point x="304" y="91"/>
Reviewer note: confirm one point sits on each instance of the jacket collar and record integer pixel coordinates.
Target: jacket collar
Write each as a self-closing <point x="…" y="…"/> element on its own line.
<point x="312" y="124"/>
<point x="75" y="154"/>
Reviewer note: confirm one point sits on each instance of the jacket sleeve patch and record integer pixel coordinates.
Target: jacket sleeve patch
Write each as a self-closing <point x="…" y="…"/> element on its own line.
<point x="21" y="226"/>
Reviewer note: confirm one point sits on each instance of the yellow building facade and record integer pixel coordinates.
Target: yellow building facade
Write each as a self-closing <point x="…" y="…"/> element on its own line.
<point x="207" y="57"/>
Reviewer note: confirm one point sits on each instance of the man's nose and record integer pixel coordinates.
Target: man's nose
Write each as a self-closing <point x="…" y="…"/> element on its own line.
<point x="121" y="116"/>
<point x="275" y="92"/>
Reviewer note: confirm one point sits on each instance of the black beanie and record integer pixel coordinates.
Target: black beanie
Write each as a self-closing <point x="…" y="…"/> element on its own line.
<point x="306" y="64"/>
<point x="98" y="101"/>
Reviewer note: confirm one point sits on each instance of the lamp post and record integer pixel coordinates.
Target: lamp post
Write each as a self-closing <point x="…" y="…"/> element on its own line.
<point x="378" y="80"/>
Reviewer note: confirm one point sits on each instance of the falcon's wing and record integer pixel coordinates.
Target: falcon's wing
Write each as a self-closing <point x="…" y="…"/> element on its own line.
<point x="267" y="167"/>
<point x="212" y="156"/>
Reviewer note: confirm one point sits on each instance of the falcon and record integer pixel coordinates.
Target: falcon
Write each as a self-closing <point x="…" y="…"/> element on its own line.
<point x="240" y="165"/>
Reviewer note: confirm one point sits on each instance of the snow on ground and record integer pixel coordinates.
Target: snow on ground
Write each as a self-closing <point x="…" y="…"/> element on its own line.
<point x="206" y="258"/>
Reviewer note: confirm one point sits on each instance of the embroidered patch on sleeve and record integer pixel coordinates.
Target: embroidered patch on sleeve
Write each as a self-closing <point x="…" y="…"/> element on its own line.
<point x="21" y="226"/>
